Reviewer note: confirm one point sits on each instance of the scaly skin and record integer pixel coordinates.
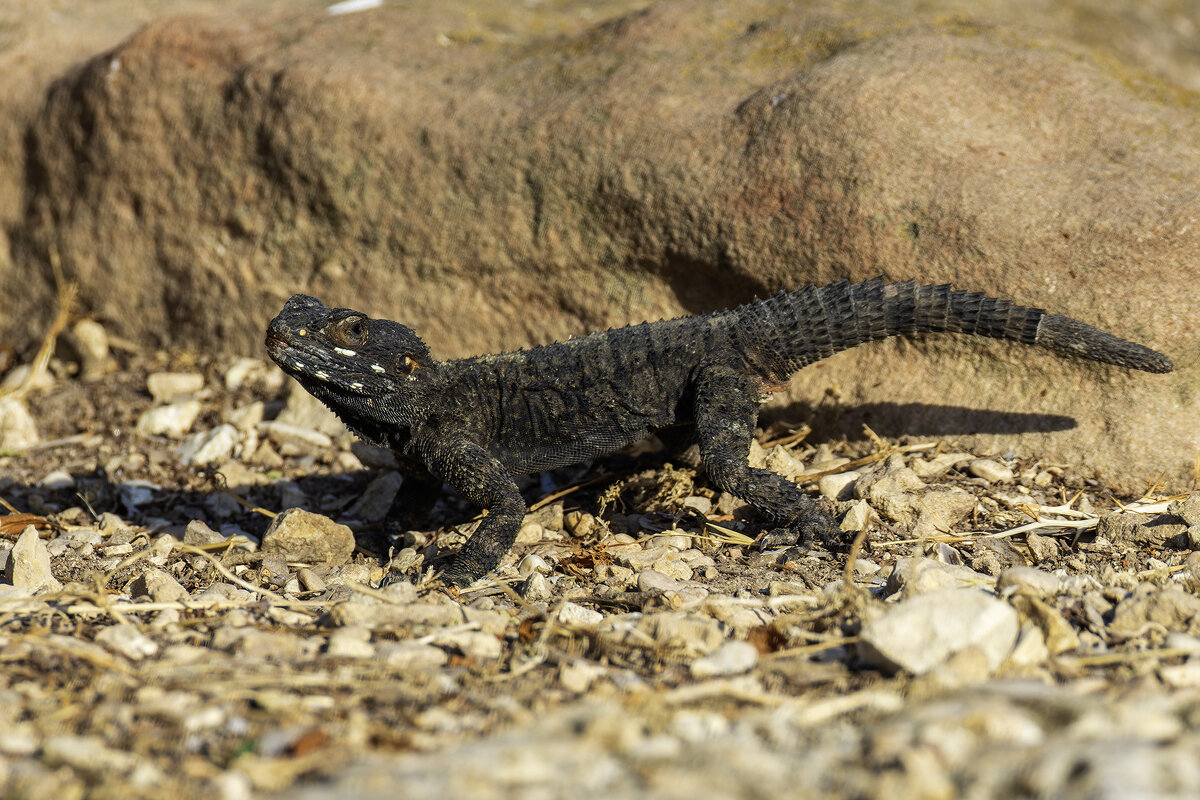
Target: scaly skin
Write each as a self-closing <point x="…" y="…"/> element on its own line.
<point x="476" y="422"/>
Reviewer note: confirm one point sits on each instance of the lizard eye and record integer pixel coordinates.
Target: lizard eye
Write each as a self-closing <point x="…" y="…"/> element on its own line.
<point x="406" y="365"/>
<point x="349" y="332"/>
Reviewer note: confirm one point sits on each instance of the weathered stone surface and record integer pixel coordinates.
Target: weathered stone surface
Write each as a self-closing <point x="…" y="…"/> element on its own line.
<point x="159" y="585"/>
<point x="924" y="631"/>
<point x="28" y="564"/>
<point x="167" y="387"/>
<point x="18" y="430"/>
<point x="304" y="536"/>
<point x="550" y="154"/>
<point x="173" y="420"/>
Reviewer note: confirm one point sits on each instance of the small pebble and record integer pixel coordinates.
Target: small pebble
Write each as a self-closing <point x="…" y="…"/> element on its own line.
<point x="245" y="370"/>
<point x="732" y="658"/>
<point x="91" y="340"/>
<point x="208" y="447"/>
<point x="408" y="655"/>
<point x="158" y="585"/>
<point x="58" y="479"/>
<point x="1028" y="579"/>
<point x="532" y="563"/>
<point x="303" y="536"/>
<point x="839" y="486"/>
<point x="198" y="534"/>
<point x="293" y="440"/>
<point x="924" y="631"/>
<point x="18" y="431"/>
<point x="127" y="641"/>
<point x="375" y="501"/>
<point x="536" y="588"/>
<point x="167" y="387"/>
<point x="311" y="580"/>
<point x="573" y="613"/>
<point x="990" y="470"/>
<point x="351" y="641"/>
<point x="28" y="564"/>
<point x="655" y="583"/>
<point x="858" y="517"/>
<point x="579" y="675"/>
<point x="675" y="568"/>
<point x="472" y="644"/>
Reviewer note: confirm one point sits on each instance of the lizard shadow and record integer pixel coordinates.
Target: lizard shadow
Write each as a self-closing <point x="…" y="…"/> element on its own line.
<point x="894" y="420"/>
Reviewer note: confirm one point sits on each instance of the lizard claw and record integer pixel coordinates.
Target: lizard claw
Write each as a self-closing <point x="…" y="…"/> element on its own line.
<point x="802" y="532"/>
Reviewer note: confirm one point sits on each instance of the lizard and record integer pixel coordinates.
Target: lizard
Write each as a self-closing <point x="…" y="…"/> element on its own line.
<point x="475" y="423"/>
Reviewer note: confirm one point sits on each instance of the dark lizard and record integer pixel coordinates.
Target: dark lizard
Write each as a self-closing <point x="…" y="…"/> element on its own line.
<point x="476" y="422"/>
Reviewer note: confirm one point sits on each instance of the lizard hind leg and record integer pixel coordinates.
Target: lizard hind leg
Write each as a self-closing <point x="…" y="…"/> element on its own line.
<point x="727" y="404"/>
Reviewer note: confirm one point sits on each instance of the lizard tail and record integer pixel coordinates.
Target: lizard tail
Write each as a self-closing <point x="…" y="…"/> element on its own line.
<point x="793" y="329"/>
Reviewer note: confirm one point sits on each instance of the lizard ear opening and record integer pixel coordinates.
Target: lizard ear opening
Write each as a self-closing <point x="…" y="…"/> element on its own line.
<point x="406" y="365"/>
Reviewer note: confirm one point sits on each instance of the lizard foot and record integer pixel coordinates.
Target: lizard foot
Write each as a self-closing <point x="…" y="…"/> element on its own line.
<point x="804" y="531"/>
<point x="393" y="577"/>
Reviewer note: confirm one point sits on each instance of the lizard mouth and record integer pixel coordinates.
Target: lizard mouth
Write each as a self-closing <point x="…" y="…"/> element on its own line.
<point x="316" y="366"/>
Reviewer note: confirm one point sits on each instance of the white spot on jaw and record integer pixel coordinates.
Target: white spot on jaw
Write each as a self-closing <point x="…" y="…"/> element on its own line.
<point x="378" y="368"/>
<point x="347" y="353"/>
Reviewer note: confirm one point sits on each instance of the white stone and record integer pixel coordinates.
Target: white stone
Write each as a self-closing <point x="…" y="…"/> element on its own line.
<point x="248" y="417"/>
<point x="411" y="655"/>
<point x="674" y="541"/>
<point x="532" y="563"/>
<point x="88" y="754"/>
<point x="578" y="676"/>
<point x="990" y="470"/>
<point x="28" y="564"/>
<point x="244" y="370"/>
<point x="472" y="644"/>
<point x="295" y="440"/>
<point x="839" y="486"/>
<point x="58" y="479"/>
<point x="1028" y="580"/>
<point x="167" y="387"/>
<point x="924" y="631"/>
<point x="375" y="501"/>
<point x="18" y="431"/>
<point x="351" y="641"/>
<point x="919" y="575"/>
<point x="127" y="641"/>
<point x="858" y="517"/>
<point x="159" y="585"/>
<point x="673" y="567"/>
<point x="530" y="533"/>
<point x="308" y="413"/>
<point x="91" y="340"/>
<point x="536" y="588"/>
<point x="208" y="447"/>
<point x="732" y="658"/>
<point x="174" y="420"/>
<point x="306" y="537"/>
<point x="16" y="376"/>
<point x="655" y="583"/>
<point x="575" y="614"/>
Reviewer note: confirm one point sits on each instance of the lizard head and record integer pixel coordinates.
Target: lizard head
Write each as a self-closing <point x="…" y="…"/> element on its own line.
<point x="367" y="370"/>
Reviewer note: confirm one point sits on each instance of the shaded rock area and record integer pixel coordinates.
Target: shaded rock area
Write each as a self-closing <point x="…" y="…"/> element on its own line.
<point x="556" y="171"/>
<point x="184" y="629"/>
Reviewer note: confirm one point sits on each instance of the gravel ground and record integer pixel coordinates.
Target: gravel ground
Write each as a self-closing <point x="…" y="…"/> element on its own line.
<point x="990" y="626"/>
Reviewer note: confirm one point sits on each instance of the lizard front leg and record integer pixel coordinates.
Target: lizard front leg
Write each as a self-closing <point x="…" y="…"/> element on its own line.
<point x="727" y="404"/>
<point x="482" y="480"/>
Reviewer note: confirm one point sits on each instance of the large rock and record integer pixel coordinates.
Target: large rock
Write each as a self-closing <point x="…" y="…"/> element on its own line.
<point x="414" y="162"/>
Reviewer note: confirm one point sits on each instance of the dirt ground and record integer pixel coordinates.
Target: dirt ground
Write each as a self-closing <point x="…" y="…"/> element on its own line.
<point x="637" y="642"/>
